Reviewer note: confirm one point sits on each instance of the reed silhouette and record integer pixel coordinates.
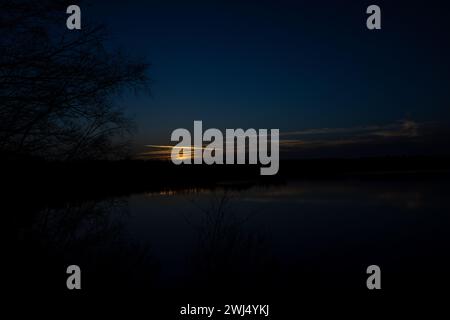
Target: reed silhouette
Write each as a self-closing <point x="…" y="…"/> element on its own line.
<point x="229" y="254"/>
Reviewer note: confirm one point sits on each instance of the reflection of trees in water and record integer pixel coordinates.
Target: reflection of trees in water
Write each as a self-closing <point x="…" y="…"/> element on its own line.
<point x="79" y="226"/>
<point x="89" y="234"/>
<point x="229" y="253"/>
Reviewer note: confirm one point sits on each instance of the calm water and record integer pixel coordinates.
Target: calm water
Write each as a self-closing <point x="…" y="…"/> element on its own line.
<point x="304" y="226"/>
<point x="302" y="234"/>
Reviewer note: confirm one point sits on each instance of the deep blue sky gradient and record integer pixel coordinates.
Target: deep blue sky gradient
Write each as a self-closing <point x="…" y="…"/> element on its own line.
<point x="276" y="64"/>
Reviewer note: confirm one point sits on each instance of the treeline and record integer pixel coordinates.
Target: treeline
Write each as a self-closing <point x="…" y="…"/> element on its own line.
<point x="114" y="178"/>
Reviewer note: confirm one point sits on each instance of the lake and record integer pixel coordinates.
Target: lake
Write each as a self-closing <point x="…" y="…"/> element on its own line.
<point x="249" y="239"/>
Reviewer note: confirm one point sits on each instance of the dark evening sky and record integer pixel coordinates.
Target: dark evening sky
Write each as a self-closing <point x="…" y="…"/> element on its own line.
<point x="289" y="65"/>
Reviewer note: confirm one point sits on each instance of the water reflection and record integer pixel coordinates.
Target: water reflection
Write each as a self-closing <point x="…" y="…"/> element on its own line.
<point x="89" y="234"/>
<point x="399" y="194"/>
<point x="228" y="253"/>
<point x="246" y="238"/>
<point x="308" y="234"/>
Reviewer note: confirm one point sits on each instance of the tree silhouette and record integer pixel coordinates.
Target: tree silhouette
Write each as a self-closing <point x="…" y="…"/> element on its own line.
<point x="57" y="86"/>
